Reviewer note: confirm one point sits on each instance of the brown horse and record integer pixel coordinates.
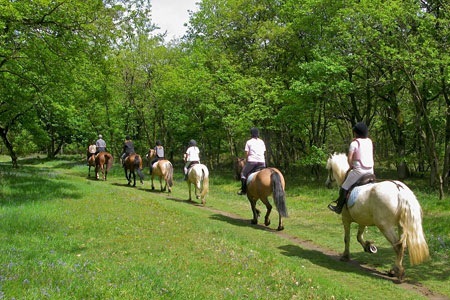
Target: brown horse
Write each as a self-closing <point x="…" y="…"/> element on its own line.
<point x="163" y="169"/>
<point x="132" y="164"/>
<point x="103" y="162"/>
<point x="261" y="185"/>
<point x="91" y="163"/>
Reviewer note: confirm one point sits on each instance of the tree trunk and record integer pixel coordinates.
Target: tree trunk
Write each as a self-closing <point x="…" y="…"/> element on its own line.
<point x="9" y="146"/>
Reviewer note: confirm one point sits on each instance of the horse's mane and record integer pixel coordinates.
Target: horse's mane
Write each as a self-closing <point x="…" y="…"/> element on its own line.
<point x="339" y="163"/>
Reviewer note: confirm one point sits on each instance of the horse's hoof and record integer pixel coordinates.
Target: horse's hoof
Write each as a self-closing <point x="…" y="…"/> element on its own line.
<point x="267" y="223"/>
<point x="254" y="222"/>
<point x="344" y="258"/>
<point x="373" y="249"/>
<point x="280" y="228"/>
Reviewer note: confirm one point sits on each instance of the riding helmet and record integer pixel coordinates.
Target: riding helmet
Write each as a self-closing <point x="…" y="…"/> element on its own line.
<point x="254" y="132"/>
<point x="361" y="129"/>
<point x="158" y="143"/>
<point x="100" y="136"/>
<point x="192" y="143"/>
<point x="127" y="138"/>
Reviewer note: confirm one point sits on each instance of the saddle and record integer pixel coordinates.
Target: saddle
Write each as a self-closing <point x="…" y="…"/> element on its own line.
<point x="253" y="172"/>
<point x="365" y="179"/>
<point x="192" y="164"/>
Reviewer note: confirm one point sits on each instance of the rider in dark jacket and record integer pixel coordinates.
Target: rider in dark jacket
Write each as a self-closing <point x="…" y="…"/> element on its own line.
<point x="128" y="148"/>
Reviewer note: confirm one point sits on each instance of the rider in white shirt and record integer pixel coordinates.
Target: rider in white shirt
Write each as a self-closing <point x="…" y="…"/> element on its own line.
<point x="360" y="159"/>
<point x="255" y="150"/>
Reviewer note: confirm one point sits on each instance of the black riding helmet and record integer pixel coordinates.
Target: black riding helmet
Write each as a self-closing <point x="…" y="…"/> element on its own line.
<point x="254" y="132"/>
<point x="361" y="130"/>
<point x="158" y="143"/>
<point x="192" y="143"/>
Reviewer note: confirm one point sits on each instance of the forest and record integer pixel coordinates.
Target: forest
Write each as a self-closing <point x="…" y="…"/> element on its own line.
<point x="303" y="72"/>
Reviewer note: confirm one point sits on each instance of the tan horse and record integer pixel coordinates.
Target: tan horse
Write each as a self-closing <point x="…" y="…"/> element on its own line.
<point x="163" y="169"/>
<point x="103" y="162"/>
<point x="260" y="186"/>
<point x="133" y="164"/>
<point x="389" y="205"/>
<point x="198" y="175"/>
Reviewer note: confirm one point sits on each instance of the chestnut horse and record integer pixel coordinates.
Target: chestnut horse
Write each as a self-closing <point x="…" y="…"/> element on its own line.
<point x="262" y="184"/>
<point x="132" y="164"/>
<point x="91" y="163"/>
<point x="163" y="169"/>
<point x="389" y="205"/>
<point x="198" y="175"/>
<point x="103" y="162"/>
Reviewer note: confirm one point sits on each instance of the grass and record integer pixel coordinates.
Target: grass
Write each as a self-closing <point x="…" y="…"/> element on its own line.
<point x="65" y="236"/>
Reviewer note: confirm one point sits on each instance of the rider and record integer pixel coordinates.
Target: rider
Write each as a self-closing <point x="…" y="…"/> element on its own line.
<point x="360" y="159"/>
<point x="191" y="156"/>
<point x="92" y="150"/>
<point x="101" y="144"/>
<point x="255" y="159"/>
<point x="159" y="154"/>
<point x="128" y="148"/>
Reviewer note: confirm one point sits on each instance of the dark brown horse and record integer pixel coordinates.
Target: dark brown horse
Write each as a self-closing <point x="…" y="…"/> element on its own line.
<point x="163" y="169"/>
<point x="132" y="164"/>
<point x="261" y="185"/>
<point x="103" y="162"/>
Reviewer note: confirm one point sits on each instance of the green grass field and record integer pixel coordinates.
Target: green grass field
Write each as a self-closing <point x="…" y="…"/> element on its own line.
<point x="66" y="236"/>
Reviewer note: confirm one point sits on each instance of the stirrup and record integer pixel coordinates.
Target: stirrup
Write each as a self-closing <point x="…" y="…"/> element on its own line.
<point x="335" y="209"/>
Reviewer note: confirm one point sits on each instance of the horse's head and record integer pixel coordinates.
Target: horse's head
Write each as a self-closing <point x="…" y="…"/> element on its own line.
<point x="239" y="164"/>
<point x="151" y="153"/>
<point x="337" y="166"/>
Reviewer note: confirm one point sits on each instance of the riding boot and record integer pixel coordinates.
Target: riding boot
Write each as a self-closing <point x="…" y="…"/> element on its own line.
<point x="340" y="202"/>
<point x="243" y="190"/>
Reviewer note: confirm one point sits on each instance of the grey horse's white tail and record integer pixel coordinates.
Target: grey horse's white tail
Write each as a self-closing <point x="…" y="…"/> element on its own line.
<point x="410" y="214"/>
<point x="204" y="183"/>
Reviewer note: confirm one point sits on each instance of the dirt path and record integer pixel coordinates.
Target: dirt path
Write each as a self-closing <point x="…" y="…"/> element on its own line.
<point x="306" y="244"/>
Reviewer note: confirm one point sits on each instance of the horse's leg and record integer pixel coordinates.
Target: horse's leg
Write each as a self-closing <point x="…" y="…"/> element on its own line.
<point x="160" y="184"/>
<point x="367" y="245"/>
<point x="346" y="254"/>
<point x="153" y="186"/>
<point x="134" y="178"/>
<point x="189" y="186"/>
<point x="198" y="188"/>
<point x="269" y="210"/>
<point x="392" y="236"/>
<point x="103" y="171"/>
<point x="255" y="211"/>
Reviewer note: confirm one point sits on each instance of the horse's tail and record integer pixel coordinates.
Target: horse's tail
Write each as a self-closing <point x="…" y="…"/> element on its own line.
<point x="412" y="236"/>
<point x="279" y="196"/>
<point x="169" y="175"/>
<point x="109" y="162"/>
<point x="138" y="166"/>
<point x="205" y="182"/>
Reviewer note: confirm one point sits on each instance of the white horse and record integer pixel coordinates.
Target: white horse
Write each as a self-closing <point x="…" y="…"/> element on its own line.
<point x="389" y="205"/>
<point x="198" y="175"/>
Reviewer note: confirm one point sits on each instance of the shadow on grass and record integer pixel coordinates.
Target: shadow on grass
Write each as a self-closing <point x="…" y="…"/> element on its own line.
<point x="29" y="184"/>
<point x="332" y="262"/>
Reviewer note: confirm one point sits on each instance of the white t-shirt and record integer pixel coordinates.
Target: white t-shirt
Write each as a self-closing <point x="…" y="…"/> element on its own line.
<point x="193" y="154"/>
<point x="362" y="153"/>
<point x="255" y="148"/>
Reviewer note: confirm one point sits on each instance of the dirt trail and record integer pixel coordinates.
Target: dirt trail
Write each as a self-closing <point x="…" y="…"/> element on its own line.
<point x="306" y="244"/>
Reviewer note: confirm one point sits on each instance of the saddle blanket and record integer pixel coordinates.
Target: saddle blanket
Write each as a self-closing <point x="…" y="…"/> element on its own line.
<point x="356" y="192"/>
<point x="250" y="177"/>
